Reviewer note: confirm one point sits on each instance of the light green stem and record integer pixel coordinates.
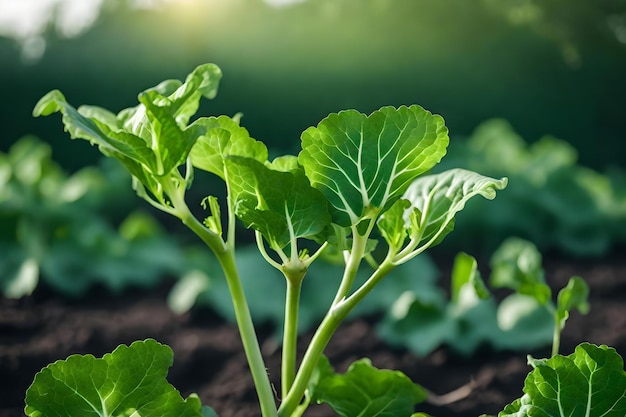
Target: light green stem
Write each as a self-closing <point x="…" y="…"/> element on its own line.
<point x="556" y="339"/>
<point x="248" y="335"/>
<point x="313" y="353"/>
<point x="242" y="315"/>
<point x="337" y="313"/>
<point x="352" y="266"/>
<point x="290" y="335"/>
<point x="226" y="256"/>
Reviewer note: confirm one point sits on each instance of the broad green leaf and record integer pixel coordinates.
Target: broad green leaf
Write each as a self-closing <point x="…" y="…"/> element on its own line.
<point x="435" y="200"/>
<point x="285" y="163"/>
<point x="168" y="115"/>
<point x="129" y="381"/>
<point x="574" y="296"/>
<point x="590" y="382"/>
<point x="517" y="265"/>
<point x="180" y="99"/>
<point x="280" y="205"/>
<point x="368" y="392"/>
<point x="363" y="163"/>
<point x="220" y="137"/>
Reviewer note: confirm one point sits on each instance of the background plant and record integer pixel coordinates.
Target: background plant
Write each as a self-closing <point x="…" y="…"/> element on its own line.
<point x="75" y="231"/>
<point x="547" y="183"/>
<point x="527" y="318"/>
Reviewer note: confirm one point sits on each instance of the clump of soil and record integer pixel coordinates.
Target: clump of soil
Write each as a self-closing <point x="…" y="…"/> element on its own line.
<point x="44" y="327"/>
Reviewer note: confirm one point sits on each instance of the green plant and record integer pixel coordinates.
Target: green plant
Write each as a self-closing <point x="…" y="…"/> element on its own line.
<point x="357" y="178"/>
<point x="350" y="179"/>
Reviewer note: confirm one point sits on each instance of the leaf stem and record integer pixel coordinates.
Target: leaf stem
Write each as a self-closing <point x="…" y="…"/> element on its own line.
<point x="558" y="327"/>
<point x="335" y="315"/>
<point x="309" y="260"/>
<point x="406" y="255"/>
<point x="556" y="338"/>
<point x="261" y="246"/>
<point x="353" y="262"/>
<point x="248" y="335"/>
<point x="226" y="257"/>
<point x="290" y="334"/>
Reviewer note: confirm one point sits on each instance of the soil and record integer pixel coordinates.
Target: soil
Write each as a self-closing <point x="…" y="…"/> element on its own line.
<point x="44" y="327"/>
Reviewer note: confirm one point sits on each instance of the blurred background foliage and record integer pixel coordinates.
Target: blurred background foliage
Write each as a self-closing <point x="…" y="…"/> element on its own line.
<point x="548" y="67"/>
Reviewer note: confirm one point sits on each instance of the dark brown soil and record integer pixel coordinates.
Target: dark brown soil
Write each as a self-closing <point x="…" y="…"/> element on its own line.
<point x="208" y="360"/>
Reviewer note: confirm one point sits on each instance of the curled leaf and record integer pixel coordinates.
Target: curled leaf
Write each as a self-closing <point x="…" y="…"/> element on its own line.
<point x="436" y="199"/>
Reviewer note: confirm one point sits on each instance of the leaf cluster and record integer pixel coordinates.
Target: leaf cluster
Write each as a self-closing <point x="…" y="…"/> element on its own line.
<point x="359" y="180"/>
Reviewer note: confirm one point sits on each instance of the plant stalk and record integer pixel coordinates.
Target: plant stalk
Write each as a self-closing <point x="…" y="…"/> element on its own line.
<point x="337" y="313"/>
<point x="556" y="337"/>
<point x="248" y="336"/>
<point x="322" y="336"/>
<point x="251" y="347"/>
<point x="359" y="243"/>
<point x="290" y="335"/>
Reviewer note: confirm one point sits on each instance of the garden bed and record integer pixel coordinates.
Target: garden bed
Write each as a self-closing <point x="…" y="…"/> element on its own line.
<point x="209" y="360"/>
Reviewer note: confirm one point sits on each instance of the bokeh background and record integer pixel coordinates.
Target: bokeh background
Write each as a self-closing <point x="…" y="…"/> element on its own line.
<point x="548" y="67"/>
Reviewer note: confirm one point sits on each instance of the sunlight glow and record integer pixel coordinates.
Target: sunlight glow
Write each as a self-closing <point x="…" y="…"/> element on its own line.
<point x="27" y="20"/>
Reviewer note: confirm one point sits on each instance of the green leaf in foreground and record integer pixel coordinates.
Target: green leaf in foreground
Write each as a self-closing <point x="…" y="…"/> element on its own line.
<point x="362" y="162"/>
<point x="129" y="381"/>
<point x="365" y="391"/>
<point x="590" y="382"/>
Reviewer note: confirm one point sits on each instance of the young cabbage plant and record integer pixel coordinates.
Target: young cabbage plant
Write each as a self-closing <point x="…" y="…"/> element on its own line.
<point x="358" y="179"/>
